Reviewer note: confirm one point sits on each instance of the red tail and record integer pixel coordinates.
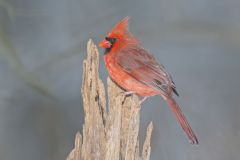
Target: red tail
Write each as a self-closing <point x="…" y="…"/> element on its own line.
<point x="182" y="120"/>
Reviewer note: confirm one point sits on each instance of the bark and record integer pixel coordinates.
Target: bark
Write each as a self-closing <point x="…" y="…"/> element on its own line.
<point x="109" y="133"/>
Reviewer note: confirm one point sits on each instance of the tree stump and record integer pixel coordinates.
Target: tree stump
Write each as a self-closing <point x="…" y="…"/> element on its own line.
<point x="109" y="133"/>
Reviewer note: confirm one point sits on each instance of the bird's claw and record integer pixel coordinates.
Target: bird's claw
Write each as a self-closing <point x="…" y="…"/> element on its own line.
<point x="126" y="94"/>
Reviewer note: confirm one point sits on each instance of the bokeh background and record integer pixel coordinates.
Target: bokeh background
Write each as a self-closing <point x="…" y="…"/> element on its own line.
<point x="43" y="43"/>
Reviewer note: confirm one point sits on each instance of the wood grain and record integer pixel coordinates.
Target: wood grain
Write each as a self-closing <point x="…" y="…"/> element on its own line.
<point x="109" y="133"/>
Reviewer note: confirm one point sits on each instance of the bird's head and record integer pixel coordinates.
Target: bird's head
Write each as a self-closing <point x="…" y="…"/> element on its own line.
<point x="118" y="37"/>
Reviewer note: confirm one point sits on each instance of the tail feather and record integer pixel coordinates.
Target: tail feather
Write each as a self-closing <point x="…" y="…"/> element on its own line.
<point x="182" y="120"/>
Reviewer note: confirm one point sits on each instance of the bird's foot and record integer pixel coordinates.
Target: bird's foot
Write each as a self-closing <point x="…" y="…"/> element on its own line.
<point x="126" y="94"/>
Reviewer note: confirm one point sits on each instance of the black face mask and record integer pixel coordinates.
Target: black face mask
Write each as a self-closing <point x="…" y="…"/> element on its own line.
<point x="112" y="41"/>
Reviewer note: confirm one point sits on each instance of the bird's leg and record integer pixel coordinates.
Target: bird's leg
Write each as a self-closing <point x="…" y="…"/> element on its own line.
<point x="138" y="107"/>
<point x="142" y="100"/>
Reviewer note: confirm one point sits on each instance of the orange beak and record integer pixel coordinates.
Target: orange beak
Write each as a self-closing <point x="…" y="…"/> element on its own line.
<point x="105" y="44"/>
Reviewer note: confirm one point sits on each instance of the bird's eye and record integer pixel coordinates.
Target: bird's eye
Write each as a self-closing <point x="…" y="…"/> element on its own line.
<point x="111" y="40"/>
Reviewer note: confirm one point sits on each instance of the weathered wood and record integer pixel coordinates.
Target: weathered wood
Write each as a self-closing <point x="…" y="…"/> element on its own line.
<point x="108" y="134"/>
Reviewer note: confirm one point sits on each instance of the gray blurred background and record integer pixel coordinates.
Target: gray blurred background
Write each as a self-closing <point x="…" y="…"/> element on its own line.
<point x="43" y="43"/>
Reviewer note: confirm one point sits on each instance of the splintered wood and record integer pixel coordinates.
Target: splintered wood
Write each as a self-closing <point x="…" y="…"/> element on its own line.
<point x="108" y="134"/>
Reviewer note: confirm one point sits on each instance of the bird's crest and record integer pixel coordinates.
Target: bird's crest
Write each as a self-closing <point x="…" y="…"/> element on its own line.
<point x="121" y="28"/>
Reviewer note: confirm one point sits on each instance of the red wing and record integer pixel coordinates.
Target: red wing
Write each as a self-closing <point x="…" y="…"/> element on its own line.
<point x="142" y="66"/>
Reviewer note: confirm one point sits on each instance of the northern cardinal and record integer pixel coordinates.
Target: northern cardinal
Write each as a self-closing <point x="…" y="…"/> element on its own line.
<point x="137" y="71"/>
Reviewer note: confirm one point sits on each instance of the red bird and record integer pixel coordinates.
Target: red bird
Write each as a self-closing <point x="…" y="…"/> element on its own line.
<point x="137" y="71"/>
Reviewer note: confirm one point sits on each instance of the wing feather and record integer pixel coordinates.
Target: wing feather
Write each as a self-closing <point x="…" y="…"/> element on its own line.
<point x="142" y="66"/>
